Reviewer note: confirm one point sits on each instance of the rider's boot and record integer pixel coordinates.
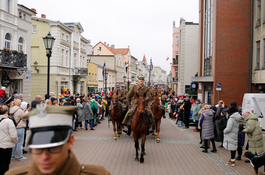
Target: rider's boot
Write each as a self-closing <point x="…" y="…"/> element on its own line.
<point x="147" y="130"/>
<point x="129" y="130"/>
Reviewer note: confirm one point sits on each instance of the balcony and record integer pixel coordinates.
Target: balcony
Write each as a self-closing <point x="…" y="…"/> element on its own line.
<point x="175" y="62"/>
<point x="175" y="79"/>
<point x="80" y="72"/>
<point x="13" y="60"/>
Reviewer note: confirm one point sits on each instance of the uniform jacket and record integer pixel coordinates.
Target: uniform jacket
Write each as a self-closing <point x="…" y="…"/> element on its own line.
<point x="231" y="132"/>
<point x="254" y="133"/>
<point x="137" y="89"/>
<point x="88" y="114"/>
<point x="17" y="114"/>
<point x="8" y="133"/>
<point x="71" y="167"/>
<point x="207" y="124"/>
<point x="121" y="94"/>
<point x="153" y="92"/>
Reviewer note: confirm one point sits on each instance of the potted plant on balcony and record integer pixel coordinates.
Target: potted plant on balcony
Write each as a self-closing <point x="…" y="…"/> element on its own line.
<point x="14" y="51"/>
<point x="6" y="49"/>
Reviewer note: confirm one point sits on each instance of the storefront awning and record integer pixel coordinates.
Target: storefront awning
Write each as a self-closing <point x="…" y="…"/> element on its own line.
<point x="91" y="87"/>
<point x="202" y="79"/>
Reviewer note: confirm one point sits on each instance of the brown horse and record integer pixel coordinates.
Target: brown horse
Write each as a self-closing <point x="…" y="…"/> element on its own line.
<point x="139" y="126"/>
<point x="117" y="116"/>
<point x="157" y="115"/>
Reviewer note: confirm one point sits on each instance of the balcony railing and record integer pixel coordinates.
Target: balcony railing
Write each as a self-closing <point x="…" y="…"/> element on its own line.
<point x="13" y="59"/>
<point x="175" y="62"/>
<point x="80" y="71"/>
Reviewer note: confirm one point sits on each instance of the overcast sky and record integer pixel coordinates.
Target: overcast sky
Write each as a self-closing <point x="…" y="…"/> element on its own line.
<point x="145" y="25"/>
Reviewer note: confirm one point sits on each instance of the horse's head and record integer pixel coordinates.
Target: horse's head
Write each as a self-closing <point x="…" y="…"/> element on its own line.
<point x="141" y="103"/>
<point x="158" y="99"/>
<point x="114" y="99"/>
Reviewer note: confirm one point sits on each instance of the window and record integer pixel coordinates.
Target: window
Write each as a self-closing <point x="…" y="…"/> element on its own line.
<point x="177" y="53"/>
<point x="34" y="28"/>
<point x="177" y="40"/>
<point x="258" y="12"/>
<point x="62" y="57"/>
<point x="258" y="56"/>
<point x="63" y="36"/>
<point x="89" y="77"/>
<point x="208" y="37"/>
<point x="67" y="38"/>
<point x="75" y="60"/>
<point x="20" y="15"/>
<point x="24" y="16"/>
<point x="8" y="41"/>
<point x="96" y="77"/>
<point x="93" y="77"/>
<point x="66" y="57"/>
<point x="8" y="6"/>
<point x="20" y="44"/>
<point x="176" y="72"/>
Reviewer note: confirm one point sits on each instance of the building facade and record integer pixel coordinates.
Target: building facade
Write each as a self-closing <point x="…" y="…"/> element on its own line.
<point x="68" y="68"/>
<point x="258" y="47"/>
<point x="92" y="77"/>
<point x="188" y="55"/>
<point x="175" y="54"/>
<point x="224" y="50"/>
<point x="15" y="41"/>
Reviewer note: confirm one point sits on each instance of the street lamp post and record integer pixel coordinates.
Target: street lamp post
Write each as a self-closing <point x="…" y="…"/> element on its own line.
<point x="106" y="78"/>
<point x="48" y="42"/>
<point x="133" y="78"/>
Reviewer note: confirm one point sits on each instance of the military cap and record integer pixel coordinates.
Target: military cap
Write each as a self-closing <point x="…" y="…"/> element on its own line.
<point x="50" y="125"/>
<point x="117" y="85"/>
<point x="122" y="85"/>
<point x="155" y="84"/>
<point x="141" y="77"/>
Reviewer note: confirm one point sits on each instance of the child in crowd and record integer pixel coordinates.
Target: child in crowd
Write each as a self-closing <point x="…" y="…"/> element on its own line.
<point x="181" y="115"/>
<point x="169" y="109"/>
<point x="240" y="141"/>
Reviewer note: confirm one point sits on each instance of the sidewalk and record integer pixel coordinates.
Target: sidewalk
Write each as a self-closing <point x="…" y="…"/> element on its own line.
<point x="177" y="153"/>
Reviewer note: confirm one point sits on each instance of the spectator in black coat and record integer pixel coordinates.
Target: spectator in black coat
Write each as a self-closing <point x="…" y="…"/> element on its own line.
<point x="187" y="106"/>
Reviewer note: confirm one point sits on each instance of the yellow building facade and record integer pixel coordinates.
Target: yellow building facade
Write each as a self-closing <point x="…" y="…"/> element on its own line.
<point x="92" y="77"/>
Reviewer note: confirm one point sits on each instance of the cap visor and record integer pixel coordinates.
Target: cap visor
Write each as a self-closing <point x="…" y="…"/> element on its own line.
<point x="46" y="139"/>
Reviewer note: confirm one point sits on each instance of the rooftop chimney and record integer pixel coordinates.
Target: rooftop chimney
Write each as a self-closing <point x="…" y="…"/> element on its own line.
<point x="113" y="46"/>
<point x="34" y="11"/>
<point x="43" y="15"/>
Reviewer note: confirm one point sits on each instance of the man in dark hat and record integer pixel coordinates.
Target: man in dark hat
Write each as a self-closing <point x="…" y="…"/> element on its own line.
<point x="51" y="144"/>
<point x="8" y="103"/>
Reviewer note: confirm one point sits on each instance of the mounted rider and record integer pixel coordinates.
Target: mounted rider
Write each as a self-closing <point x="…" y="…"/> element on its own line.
<point x="121" y="96"/>
<point x="153" y="94"/>
<point x="140" y="89"/>
<point x="123" y="89"/>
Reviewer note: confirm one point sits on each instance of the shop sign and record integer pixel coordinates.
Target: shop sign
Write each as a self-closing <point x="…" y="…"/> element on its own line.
<point x="5" y="81"/>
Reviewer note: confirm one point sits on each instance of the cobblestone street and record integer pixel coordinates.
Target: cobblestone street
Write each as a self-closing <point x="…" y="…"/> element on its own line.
<point x="177" y="153"/>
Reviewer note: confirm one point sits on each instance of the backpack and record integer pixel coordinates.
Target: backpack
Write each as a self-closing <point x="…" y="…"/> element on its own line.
<point x="94" y="110"/>
<point x="13" y="119"/>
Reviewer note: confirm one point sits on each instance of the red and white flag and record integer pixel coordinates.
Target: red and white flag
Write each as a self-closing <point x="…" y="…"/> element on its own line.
<point x="167" y="58"/>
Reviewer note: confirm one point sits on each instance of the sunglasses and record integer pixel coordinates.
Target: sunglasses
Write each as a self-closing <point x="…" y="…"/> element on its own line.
<point x="52" y="150"/>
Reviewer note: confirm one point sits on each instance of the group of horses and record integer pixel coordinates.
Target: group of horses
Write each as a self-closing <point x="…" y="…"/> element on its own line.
<point x="139" y="124"/>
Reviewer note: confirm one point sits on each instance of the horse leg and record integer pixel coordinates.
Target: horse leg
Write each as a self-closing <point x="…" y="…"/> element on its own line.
<point x="118" y="129"/>
<point x="143" y="138"/>
<point x="158" y="130"/>
<point x="136" y="145"/>
<point x="114" y="129"/>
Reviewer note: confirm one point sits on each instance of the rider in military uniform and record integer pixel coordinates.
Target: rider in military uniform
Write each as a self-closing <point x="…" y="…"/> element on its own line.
<point x="121" y="96"/>
<point x="140" y="89"/>
<point x="51" y="144"/>
<point x="153" y="93"/>
<point x="123" y="89"/>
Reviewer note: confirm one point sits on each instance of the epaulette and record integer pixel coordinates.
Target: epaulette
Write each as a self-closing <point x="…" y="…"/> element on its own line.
<point x="18" y="170"/>
<point x="94" y="170"/>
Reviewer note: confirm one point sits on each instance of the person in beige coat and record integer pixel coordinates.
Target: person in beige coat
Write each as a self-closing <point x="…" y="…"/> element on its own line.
<point x="254" y="132"/>
<point x="8" y="139"/>
<point x="17" y="113"/>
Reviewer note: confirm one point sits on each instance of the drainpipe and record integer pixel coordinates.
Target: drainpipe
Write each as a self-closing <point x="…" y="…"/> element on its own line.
<point x="251" y="47"/>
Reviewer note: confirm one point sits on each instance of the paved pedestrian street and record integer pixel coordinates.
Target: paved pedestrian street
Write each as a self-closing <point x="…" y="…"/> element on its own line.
<point x="178" y="152"/>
